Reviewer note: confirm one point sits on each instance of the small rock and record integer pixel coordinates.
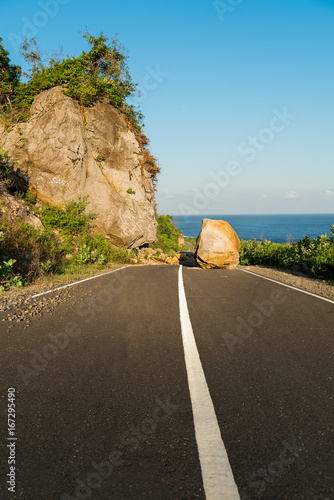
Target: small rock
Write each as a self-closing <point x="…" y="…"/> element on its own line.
<point x="172" y="260"/>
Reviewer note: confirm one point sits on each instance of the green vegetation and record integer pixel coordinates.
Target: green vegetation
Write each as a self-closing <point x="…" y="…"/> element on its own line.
<point x="28" y="197"/>
<point x="104" y="250"/>
<point x="9" y="80"/>
<point x="70" y="219"/>
<point x="311" y="256"/>
<point x="65" y="245"/>
<point x="191" y="240"/>
<point x="7" y="276"/>
<point x="30" y="251"/>
<point x="130" y="191"/>
<point x="6" y="169"/>
<point x="100" y="72"/>
<point x="167" y="234"/>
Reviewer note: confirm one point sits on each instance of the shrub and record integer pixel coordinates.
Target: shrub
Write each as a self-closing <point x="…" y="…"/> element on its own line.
<point x="312" y="256"/>
<point x="151" y="163"/>
<point x="86" y="255"/>
<point x="104" y="249"/>
<point x="167" y="234"/>
<point x="71" y="219"/>
<point x="100" y="72"/>
<point x="9" y="79"/>
<point x="6" y="169"/>
<point x="7" y="276"/>
<point x="28" y="197"/>
<point x="29" y="248"/>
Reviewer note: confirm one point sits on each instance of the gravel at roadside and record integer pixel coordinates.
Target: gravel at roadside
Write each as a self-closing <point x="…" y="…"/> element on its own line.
<point x="298" y="280"/>
<point x="21" y="305"/>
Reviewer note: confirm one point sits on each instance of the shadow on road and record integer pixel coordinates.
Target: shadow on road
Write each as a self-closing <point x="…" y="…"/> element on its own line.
<point x="187" y="259"/>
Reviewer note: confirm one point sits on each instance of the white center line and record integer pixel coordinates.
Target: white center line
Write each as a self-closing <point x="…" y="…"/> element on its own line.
<point x="217" y="474"/>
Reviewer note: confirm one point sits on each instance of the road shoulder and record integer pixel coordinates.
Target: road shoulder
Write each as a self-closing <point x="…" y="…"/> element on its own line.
<point x="298" y="280"/>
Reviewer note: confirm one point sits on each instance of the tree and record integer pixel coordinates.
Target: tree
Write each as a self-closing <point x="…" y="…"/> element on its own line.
<point x="32" y="56"/>
<point x="9" y="79"/>
<point x="100" y="72"/>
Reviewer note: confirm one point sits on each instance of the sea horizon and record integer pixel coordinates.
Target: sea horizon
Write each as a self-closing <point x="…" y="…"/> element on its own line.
<point x="277" y="228"/>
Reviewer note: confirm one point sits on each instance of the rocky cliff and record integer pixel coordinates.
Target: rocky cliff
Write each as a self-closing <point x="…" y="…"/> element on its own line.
<point x="63" y="151"/>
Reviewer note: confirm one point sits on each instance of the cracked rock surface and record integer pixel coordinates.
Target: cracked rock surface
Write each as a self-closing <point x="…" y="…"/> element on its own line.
<point x="64" y="151"/>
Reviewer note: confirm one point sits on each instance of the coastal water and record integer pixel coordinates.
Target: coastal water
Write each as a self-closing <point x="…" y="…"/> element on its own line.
<point x="277" y="228"/>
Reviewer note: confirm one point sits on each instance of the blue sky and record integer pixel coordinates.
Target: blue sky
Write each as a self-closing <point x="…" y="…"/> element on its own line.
<point x="237" y="94"/>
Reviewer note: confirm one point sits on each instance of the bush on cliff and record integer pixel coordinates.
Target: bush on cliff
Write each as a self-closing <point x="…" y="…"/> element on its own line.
<point x="71" y="219"/>
<point x="6" y="169"/>
<point x="9" y="79"/>
<point x="100" y="72"/>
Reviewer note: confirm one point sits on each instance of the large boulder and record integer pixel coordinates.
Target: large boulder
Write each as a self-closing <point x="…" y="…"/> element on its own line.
<point x="217" y="245"/>
<point x="64" y="150"/>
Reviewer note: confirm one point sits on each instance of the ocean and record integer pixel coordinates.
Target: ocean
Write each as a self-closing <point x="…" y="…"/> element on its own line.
<point x="277" y="228"/>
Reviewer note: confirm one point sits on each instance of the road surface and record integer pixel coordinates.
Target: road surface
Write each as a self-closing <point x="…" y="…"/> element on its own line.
<point x="115" y="399"/>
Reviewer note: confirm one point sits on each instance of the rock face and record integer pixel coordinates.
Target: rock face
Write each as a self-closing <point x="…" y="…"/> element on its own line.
<point x="217" y="245"/>
<point x="16" y="209"/>
<point x="180" y="239"/>
<point x="64" y="151"/>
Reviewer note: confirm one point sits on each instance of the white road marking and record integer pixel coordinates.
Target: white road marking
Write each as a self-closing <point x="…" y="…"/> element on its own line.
<point x="288" y="286"/>
<point x="75" y="283"/>
<point x="217" y="474"/>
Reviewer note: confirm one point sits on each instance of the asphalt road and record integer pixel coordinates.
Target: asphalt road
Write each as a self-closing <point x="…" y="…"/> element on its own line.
<point x="102" y="401"/>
